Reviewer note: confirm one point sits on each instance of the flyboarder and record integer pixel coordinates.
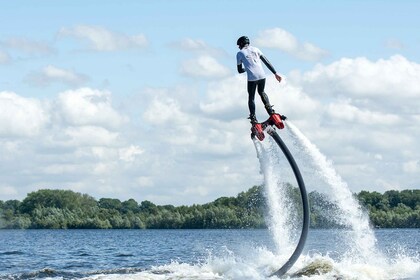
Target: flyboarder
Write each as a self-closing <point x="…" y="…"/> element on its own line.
<point x="250" y="57"/>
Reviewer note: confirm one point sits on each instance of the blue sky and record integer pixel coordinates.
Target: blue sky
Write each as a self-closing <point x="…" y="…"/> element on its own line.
<point x="103" y="93"/>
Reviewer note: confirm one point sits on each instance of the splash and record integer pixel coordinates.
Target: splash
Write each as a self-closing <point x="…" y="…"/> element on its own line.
<point x="362" y="238"/>
<point x="280" y="219"/>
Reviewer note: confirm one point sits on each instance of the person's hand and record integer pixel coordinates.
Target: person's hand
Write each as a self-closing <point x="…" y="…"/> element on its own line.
<point x="278" y="77"/>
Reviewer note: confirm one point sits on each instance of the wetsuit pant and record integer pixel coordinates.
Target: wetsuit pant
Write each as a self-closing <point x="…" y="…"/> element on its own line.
<point x="257" y="86"/>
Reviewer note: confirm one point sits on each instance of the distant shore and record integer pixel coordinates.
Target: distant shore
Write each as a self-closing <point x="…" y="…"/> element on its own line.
<point x="65" y="209"/>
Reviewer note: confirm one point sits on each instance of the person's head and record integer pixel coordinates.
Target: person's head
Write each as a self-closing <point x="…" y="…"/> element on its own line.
<point x="242" y="41"/>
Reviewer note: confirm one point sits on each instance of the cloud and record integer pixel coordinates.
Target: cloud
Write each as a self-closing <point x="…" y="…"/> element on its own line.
<point x="28" y="46"/>
<point x="129" y="154"/>
<point x="391" y="82"/>
<point x="412" y="166"/>
<point x="4" y="57"/>
<point x="366" y="115"/>
<point x="199" y="47"/>
<point x="52" y="74"/>
<point x="347" y="112"/>
<point x="281" y="39"/>
<point x="189" y="44"/>
<point x="88" y="107"/>
<point x="171" y="143"/>
<point x="75" y="140"/>
<point x="227" y="100"/>
<point x="394" y="44"/>
<point x="20" y="116"/>
<point x="171" y="109"/>
<point x="88" y="136"/>
<point x="8" y="192"/>
<point x="102" y="39"/>
<point x="204" y="67"/>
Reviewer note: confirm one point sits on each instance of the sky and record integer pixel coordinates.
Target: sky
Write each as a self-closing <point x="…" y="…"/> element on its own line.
<point x="141" y="99"/>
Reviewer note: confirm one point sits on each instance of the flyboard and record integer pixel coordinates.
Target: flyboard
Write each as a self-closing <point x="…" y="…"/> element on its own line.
<point x="257" y="131"/>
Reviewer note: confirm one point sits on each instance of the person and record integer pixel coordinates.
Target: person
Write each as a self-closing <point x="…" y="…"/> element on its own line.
<point x="251" y="57"/>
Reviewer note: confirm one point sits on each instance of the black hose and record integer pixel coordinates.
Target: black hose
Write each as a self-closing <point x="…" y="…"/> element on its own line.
<point x="305" y="227"/>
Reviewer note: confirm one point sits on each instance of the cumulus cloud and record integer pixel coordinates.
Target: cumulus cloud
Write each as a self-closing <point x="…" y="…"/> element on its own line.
<point x="366" y="108"/>
<point x="102" y="39"/>
<point x="226" y="100"/>
<point x="76" y="140"/>
<point x="391" y="82"/>
<point x="170" y="107"/>
<point x="89" y="107"/>
<point x="279" y="38"/>
<point x="183" y="141"/>
<point x="345" y="111"/>
<point x="204" y="67"/>
<point x="51" y="74"/>
<point x="129" y="154"/>
<point x="412" y="166"/>
<point x="20" y="116"/>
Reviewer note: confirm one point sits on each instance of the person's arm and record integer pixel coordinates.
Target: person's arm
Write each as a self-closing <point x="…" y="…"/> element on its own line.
<point x="239" y="63"/>
<point x="240" y="69"/>
<point x="268" y="64"/>
<point x="270" y="67"/>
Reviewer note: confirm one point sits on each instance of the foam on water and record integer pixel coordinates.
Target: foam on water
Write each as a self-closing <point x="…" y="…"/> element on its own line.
<point x="261" y="262"/>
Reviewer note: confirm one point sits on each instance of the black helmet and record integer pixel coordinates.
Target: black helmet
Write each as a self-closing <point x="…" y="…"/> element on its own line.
<point x="242" y="41"/>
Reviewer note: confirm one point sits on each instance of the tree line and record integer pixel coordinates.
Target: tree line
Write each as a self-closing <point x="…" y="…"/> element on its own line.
<point x="65" y="209"/>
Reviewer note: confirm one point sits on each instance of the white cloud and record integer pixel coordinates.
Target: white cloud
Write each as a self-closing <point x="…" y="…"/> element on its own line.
<point x="8" y="192"/>
<point x="226" y="99"/>
<point x="129" y="154"/>
<point x="199" y="47"/>
<point x="89" y="107"/>
<point x="20" y="116"/>
<point x="345" y="111"/>
<point x="366" y="107"/>
<point x="281" y="39"/>
<point x="394" y="78"/>
<point x="28" y="46"/>
<point x="165" y="111"/>
<point x="4" y="57"/>
<point x="76" y="140"/>
<point x="394" y="44"/>
<point x="204" y="67"/>
<point x="412" y="166"/>
<point x="144" y="182"/>
<point x="102" y="39"/>
<point x="51" y="74"/>
<point x="89" y="136"/>
<point x="181" y="142"/>
<point x="189" y="44"/>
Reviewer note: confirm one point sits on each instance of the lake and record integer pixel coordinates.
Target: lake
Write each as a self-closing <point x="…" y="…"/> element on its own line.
<point x="196" y="254"/>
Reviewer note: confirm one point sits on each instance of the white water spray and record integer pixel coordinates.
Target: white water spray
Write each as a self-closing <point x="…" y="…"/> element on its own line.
<point x="352" y="217"/>
<point x="280" y="207"/>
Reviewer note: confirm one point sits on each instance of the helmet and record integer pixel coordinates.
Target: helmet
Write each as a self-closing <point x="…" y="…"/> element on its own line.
<point x="242" y="41"/>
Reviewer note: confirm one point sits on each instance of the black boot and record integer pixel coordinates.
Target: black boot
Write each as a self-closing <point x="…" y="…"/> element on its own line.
<point x="253" y="119"/>
<point x="269" y="109"/>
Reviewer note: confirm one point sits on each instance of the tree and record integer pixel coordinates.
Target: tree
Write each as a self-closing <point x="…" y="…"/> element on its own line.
<point x="110" y="203"/>
<point x="61" y="199"/>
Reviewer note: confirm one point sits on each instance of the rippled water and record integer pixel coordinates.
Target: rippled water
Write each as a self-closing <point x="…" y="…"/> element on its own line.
<point x="188" y="254"/>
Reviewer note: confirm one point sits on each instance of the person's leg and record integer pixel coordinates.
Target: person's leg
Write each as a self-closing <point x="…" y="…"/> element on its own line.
<point x="264" y="97"/>
<point x="252" y="86"/>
